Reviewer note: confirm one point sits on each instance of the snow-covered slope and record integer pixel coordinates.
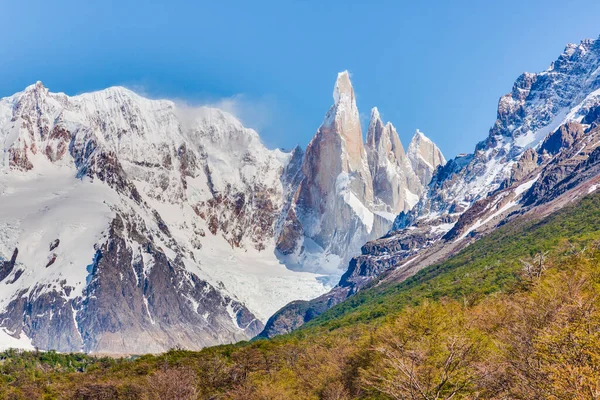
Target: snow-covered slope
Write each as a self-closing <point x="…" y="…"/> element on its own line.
<point x="129" y="216"/>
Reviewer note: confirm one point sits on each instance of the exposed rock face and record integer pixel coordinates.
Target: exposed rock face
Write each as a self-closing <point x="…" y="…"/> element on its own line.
<point x="563" y="137"/>
<point x="7" y="266"/>
<point x="289" y="231"/>
<point x="524" y="166"/>
<point x="349" y="193"/>
<point x="575" y="161"/>
<point x="157" y="301"/>
<point x="396" y="186"/>
<point x="337" y="186"/>
<point x="424" y="157"/>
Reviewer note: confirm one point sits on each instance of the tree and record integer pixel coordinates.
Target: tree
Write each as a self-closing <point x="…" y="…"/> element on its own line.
<point x="432" y="352"/>
<point x="177" y="383"/>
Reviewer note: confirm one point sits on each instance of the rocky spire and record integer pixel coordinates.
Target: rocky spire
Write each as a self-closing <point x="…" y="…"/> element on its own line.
<point x="343" y="120"/>
<point x="383" y="138"/>
<point x="375" y="129"/>
<point x="334" y="200"/>
<point x="395" y="185"/>
<point x="337" y="147"/>
<point x="424" y="157"/>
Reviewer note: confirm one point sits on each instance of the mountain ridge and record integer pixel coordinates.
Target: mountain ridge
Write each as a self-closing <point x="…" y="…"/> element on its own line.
<point x="509" y="172"/>
<point x="176" y="217"/>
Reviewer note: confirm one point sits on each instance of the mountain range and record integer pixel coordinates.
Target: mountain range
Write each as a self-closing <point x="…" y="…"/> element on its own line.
<point x="540" y="155"/>
<point x="131" y="225"/>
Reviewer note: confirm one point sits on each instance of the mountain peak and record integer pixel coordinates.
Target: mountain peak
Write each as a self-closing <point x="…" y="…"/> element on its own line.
<point x="419" y="137"/>
<point x="343" y="90"/>
<point x="343" y="120"/>
<point x="424" y="156"/>
<point x="375" y="128"/>
<point x="37" y="86"/>
<point x="375" y="114"/>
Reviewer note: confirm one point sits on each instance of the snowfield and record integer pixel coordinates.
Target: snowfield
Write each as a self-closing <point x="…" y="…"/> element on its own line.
<point x="39" y="208"/>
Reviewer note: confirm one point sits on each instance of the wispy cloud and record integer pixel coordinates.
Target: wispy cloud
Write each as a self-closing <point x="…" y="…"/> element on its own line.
<point x="258" y="113"/>
<point x="255" y="113"/>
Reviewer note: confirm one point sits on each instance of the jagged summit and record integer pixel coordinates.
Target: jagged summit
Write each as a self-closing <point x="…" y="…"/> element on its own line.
<point x="424" y="156"/>
<point x="333" y="200"/>
<point x="38" y="85"/>
<point x="342" y="125"/>
<point x="396" y="186"/>
<point x="418" y="136"/>
<point x="375" y="129"/>
<point x="383" y="137"/>
<point x="375" y="114"/>
<point x="350" y="191"/>
<point x="343" y="90"/>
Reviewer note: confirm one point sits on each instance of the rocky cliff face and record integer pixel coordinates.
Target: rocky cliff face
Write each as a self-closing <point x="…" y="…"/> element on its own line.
<point x="333" y="201"/>
<point x="396" y="186"/>
<point x="540" y="154"/>
<point x="349" y="193"/>
<point x="424" y="157"/>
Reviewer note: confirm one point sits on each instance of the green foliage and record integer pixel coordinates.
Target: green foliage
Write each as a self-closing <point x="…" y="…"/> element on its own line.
<point x="485" y="267"/>
<point x="474" y="326"/>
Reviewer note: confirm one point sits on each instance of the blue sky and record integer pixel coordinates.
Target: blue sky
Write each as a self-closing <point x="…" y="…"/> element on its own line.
<point x="439" y="66"/>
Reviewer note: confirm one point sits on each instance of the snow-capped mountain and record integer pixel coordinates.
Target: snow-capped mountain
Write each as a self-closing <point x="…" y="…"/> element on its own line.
<point x="131" y="225"/>
<point x="537" y="105"/>
<point x="124" y="218"/>
<point x="542" y="152"/>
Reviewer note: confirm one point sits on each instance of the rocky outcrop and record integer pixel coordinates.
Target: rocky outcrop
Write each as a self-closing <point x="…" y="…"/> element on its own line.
<point x="396" y="187"/>
<point x="349" y="192"/>
<point x="563" y="137"/>
<point x="424" y="157"/>
<point x="575" y="161"/>
<point x="524" y="166"/>
<point x="7" y="266"/>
